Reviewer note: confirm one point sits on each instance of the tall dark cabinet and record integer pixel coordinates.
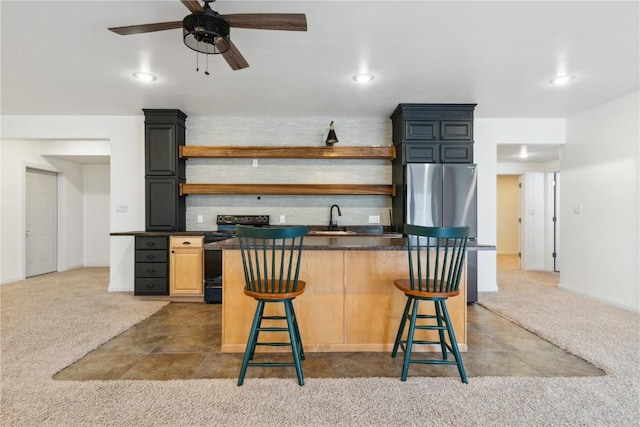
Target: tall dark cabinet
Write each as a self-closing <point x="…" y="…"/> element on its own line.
<point x="432" y="133"/>
<point x="164" y="170"/>
<point x="428" y="133"/>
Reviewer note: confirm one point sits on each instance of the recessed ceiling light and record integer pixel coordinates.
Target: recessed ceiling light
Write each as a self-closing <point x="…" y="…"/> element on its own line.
<point x="145" y="77"/>
<point x="561" y="80"/>
<point x="363" y="77"/>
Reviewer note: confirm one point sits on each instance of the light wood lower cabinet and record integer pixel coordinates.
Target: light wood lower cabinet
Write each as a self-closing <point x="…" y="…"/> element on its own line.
<point x="186" y="266"/>
<point x="349" y="304"/>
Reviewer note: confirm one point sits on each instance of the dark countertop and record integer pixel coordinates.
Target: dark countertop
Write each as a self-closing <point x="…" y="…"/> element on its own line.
<point x="346" y="243"/>
<point x="157" y="233"/>
<point x="354" y="230"/>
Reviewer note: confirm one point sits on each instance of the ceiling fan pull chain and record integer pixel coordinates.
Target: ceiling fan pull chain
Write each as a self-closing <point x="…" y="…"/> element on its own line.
<point x="197" y="62"/>
<point x="207" y="70"/>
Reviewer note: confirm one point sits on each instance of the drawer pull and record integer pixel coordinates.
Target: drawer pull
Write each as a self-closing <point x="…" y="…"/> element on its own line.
<point x="151" y="243"/>
<point x="151" y="285"/>
<point x="151" y="256"/>
<point x="151" y="270"/>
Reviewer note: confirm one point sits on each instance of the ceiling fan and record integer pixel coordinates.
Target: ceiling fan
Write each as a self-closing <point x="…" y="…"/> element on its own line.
<point x="206" y="31"/>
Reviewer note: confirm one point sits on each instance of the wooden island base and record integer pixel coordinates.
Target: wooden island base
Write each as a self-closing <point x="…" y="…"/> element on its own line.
<point x="350" y="303"/>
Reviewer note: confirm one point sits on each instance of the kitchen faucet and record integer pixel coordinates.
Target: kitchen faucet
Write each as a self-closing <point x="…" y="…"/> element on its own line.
<point x="333" y="224"/>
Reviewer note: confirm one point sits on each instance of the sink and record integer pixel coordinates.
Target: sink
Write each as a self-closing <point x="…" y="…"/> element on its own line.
<point x="331" y="232"/>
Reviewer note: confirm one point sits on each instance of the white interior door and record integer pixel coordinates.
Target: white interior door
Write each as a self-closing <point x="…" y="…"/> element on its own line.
<point x="41" y="222"/>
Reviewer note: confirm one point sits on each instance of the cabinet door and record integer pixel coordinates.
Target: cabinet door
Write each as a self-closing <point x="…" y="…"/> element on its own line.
<point x="420" y="130"/>
<point x="456" y="153"/>
<point x="186" y="267"/>
<point x="165" y="208"/>
<point x="161" y="151"/>
<point x="456" y="130"/>
<point x="421" y="153"/>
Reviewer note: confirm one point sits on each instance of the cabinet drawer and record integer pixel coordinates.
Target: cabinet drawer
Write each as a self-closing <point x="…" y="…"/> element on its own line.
<point x="150" y="269"/>
<point x="151" y="243"/>
<point x="456" y="130"/>
<point x="186" y="242"/>
<point x="159" y="286"/>
<point x="421" y="153"/>
<point x="152" y="256"/>
<point x="457" y="153"/>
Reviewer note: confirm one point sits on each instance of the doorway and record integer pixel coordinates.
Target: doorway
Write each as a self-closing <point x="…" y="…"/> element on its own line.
<point x="41" y="222"/>
<point x="508" y="218"/>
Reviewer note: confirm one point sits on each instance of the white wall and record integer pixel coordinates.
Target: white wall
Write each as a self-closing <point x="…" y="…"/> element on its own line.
<point x="126" y="144"/>
<point x="599" y="178"/>
<point x="95" y="214"/>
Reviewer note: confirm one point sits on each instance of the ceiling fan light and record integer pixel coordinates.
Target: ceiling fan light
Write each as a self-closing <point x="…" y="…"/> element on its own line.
<point x="205" y="32"/>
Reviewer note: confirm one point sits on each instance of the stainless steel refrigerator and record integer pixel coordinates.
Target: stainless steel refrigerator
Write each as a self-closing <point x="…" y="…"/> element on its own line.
<point x="444" y="195"/>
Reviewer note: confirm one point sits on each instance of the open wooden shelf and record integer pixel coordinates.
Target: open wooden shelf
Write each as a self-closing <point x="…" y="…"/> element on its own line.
<point x="289" y="189"/>
<point x="387" y="153"/>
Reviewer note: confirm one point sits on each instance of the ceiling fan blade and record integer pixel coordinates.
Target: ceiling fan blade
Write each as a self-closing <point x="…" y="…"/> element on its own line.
<point x="233" y="56"/>
<point x="146" y="28"/>
<point x="268" y="21"/>
<point x="193" y="5"/>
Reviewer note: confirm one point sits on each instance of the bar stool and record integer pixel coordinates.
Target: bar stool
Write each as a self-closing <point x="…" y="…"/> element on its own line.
<point x="436" y="262"/>
<point x="271" y="261"/>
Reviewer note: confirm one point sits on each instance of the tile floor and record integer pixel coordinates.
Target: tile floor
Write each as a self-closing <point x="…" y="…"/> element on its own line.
<point x="182" y="341"/>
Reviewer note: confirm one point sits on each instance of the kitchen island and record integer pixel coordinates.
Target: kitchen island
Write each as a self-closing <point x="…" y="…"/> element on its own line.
<point x="350" y="302"/>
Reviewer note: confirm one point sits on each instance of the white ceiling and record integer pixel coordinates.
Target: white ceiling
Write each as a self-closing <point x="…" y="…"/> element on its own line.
<point x="58" y="58"/>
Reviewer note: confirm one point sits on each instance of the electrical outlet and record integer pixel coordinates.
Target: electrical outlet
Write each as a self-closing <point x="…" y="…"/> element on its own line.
<point x="282" y="219"/>
<point x="374" y="219"/>
<point x="199" y="219"/>
<point x="255" y="163"/>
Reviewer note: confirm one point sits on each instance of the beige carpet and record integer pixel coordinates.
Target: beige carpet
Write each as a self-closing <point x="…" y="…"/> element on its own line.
<point x="50" y="321"/>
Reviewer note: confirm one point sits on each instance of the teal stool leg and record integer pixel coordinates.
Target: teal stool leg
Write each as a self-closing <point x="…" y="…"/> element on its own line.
<point x="443" y="345"/>
<point x="258" y="326"/>
<point x="412" y="329"/>
<point x="295" y="323"/>
<point x="403" y="322"/>
<point x="294" y="341"/>
<point x="454" y="343"/>
<point x="251" y="342"/>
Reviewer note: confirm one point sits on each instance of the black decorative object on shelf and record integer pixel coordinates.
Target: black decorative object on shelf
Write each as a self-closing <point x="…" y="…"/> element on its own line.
<point x="331" y="138"/>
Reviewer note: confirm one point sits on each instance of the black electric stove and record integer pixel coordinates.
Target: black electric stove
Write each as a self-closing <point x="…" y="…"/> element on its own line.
<point x="213" y="257"/>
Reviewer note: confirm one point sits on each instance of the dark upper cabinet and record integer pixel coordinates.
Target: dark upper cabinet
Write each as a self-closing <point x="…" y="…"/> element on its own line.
<point x="165" y="208"/>
<point x="456" y="130"/>
<point x="164" y="134"/>
<point x="434" y="133"/>
<point x="164" y="170"/>
<point x="421" y="153"/>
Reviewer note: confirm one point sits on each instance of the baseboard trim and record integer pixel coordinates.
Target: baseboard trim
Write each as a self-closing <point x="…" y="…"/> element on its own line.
<point x="603" y="298"/>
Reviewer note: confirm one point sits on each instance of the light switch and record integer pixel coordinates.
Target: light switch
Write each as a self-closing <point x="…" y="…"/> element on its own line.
<point x="577" y="209"/>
